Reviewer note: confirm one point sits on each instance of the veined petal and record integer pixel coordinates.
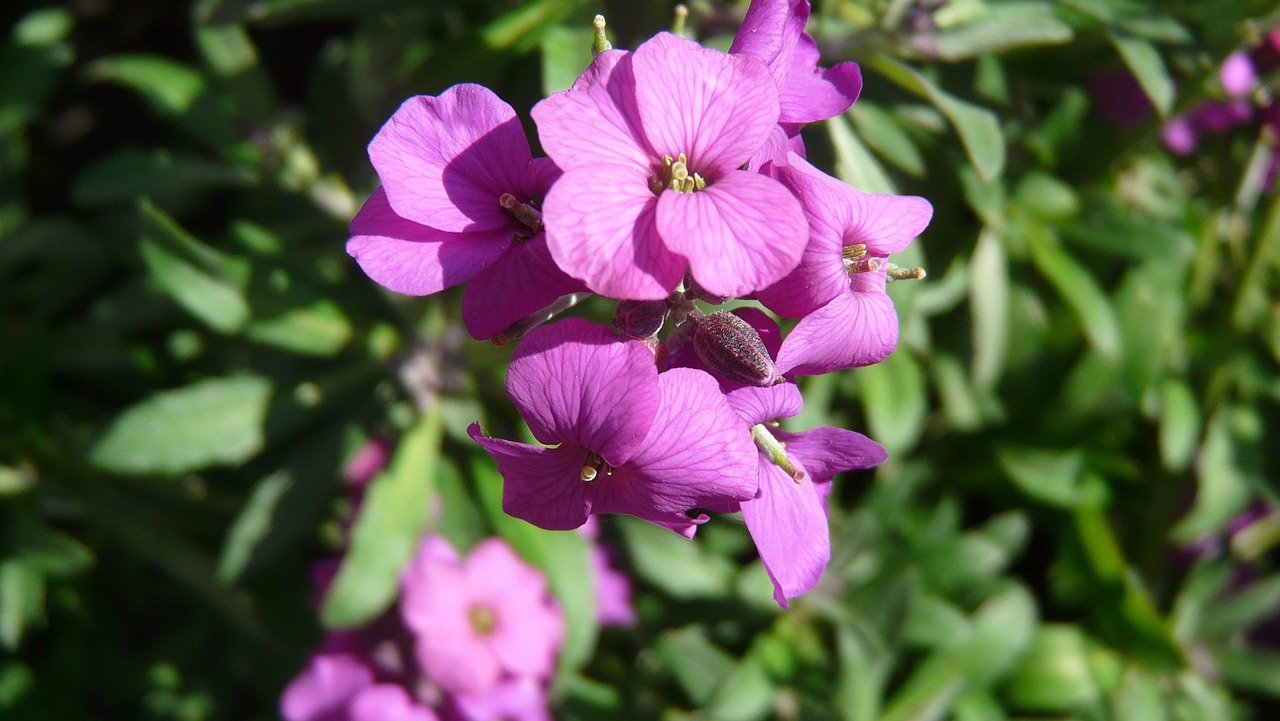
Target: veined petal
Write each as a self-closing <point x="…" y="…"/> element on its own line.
<point x="577" y="383"/>
<point x="827" y="451"/>
<point x="600" y="229"/>
<point x="882" y="222"/>
<point x="741" y="234"/>
<point x="596" y="120"/>
<point x="715" y="108"/>
<point x="811" y="93"/>
<point x="446" y="160"/>
<point x="820" y="274"/>
<point x="788" y="523"/>
<point x="769" y="32"/>
<point x="761" y="405"/>
<point x="414" y="259"/>
<point x="540" y="485"/>
<point x="854" y="329"/>
<point x="698" y="452"/>
<point x="524" y="280"/>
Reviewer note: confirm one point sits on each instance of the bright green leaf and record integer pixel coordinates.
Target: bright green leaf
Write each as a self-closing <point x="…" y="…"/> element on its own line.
<point x="855" y="164"/>
<point x="1080" y="290"/>
<point x="989" y="307"/>
<point x="1144" y="61"/>
<point x="170" y="86"/>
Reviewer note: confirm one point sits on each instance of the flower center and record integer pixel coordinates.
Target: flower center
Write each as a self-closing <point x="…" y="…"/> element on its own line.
<point x="856" y="260"/>
<point x="527" y="213"/>
<point x="592" y="466"/>
<point x="675" y="175"/>
<point x="482" y="620"/>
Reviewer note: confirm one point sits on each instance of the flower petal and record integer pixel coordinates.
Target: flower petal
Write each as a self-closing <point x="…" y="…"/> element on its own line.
<point x="827" y="451"/>
<point x="855" y="329"/>
<point x="810" y="93"/>
<point x="788" y="522"/>
<point x="741" y="234"/>
<point x="388" y="702"/>
<point x="409" y="258"/>
<point x="761" y="405"/>
<point x="595" y="121"/>
<point x="446" y="160"/>
<point x="323" y="689"/>
<point x="884" y="223"/>
<point x="524" y="280"/>
<point x="600" y="229"/>
<point x="540" y="485"/>
<point x="529" y="628"/>
<point x="715" y="108"/>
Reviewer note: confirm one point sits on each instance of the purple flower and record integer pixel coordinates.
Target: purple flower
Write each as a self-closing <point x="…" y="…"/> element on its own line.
<point x="388" y="702"/>
<point x="1179" y="135"/>
<point x="773" y="33"/>
<point x="446" y="164"/>
<point x="788" y="519"/>
<point x="651" y="143"/>
<point x="627" y="439"/>
<point x="325" y="688"/>
<point x="515" y="699"/>
<point x="368" y="461"/>
<point x="1238" y="74"/>
<point x="847" y="319"/>
<point x="480" y="620"/>
<point x="1119" y="98"/>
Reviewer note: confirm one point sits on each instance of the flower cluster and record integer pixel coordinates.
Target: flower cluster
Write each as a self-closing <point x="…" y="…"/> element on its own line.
<point x="471" y="639"/>
<point x="676" y="180"/>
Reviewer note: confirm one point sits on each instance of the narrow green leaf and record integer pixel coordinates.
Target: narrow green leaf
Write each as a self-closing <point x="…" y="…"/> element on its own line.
<point x="989" y="307"/>
<point x="566" y="52"/>
<point x="170" y="86"/>
<point x="1143" y="60"/>
<point x="252" y="525"/>
<point x="216" y="421"/>
<point x="21" y="601"/>
<point x="1057" y="676"/>
<point x="978" y="127"/>
<point x="1004" y="26"/>
<point x="893" y="394"/>
<point x="1251" y="605"/>
<point x="1179" y="424"/>
<point x="129" y="173"/>
<point x="319" y="328"/>
<point x="699" y="665"/>
<point x="678" y="566"/>
<point x="882" y="132"/>
<point x="1222" y="490"/>
<point x="855" y="164"/>
<point x="1080" y="290"/>
<point x="388" y="529"/>
<point x="1250" y="670"/>
<point x="1050" y="476"/>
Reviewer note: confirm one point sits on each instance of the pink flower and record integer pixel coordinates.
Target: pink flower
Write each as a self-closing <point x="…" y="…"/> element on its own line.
<point x="627" y="439"/>
<point x="480" y="620"/>
<point x="838" y="289"/>
<point x="515" y="699"/>
<point x="368" y="460"/>
<point x="788" y="519"/>
<point x="387" y="702"/>
<point x="1238" y="74"/>
<point x="651" y="143"/>
<point x="446" y="163"/>
<point x="325" y="688"/>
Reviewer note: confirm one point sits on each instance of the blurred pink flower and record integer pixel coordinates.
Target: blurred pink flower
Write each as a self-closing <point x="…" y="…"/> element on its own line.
<point x="325" y="688"/>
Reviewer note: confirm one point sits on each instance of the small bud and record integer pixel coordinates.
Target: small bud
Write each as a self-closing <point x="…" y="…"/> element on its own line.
<point x="640" y="318"/>
<point x="599" y="41"/>
<point x="732" y="349"/>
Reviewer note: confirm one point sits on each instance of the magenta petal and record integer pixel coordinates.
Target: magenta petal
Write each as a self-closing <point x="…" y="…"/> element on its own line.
<point x="882" y="222"/>
<point x="324" y="688"/>
<point x="600" y="229"/>
<point x="595" y="121"/>
<point x="514" y="699"/>
<point x="761" y="405"/>
<point x="810" y="93"/>
<point x="576" y="382"/>
<point x="388" y="702"/>
<point x="827" y="451"/>
<point x="855" y="329"/>
<point x="413" y="259"/>
<point x="742" y="233"/>
<point x="530" y="628"/>
<point x="446" y="160"/>
<point x="540" y="485"/>
<point x="715" y="108"/>
<point x="698" y="453"/>
<point x="788" y="522"/>
<point x="524" y="280"/>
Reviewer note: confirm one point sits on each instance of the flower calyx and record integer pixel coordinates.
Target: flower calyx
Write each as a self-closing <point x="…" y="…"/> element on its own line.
<point x="732" y="349"/>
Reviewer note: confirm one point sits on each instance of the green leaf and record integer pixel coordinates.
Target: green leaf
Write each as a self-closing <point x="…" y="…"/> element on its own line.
<point x="673" y="563"/>
<point x="1005" y="26"/>
<point x="1144" y="61"/>
<point x="746" y="694"/>
<point x="129" y="173"/>
<point x="1050" y="476"/>
<point x="566" y="52"/>
<point x="1179" y="424"/>
<point x="563" y="557"/>
<point x="699" y="665"/>
<point x="893" y="394"/>
<point x="319" y="328"/>
<point x="216" y="421"/>
<point x="1046" y="196"/>
<point x="1222" y="490"/>
<point x="388" y="529"/>
<point x="1079" y="289"/>
<point x="989" y="307"/>
<point x="21" y="601"/>
<point x="882" y="132"/>
<point x="1058" y="675"/>
<point x="978" y="127"/>
<point x="1251" y="605"/>
<point x="253" y="525"/>
<point x="204" y="281"/>
<point x="170" y="86"/>
<point x="934" y="622"/>
<point x="855" y="164"/>
<point x="1250" y="669"/>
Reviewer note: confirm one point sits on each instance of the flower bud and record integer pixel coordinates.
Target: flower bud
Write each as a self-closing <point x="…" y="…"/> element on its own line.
<point x="732" y="349"/>
<point x="640" y="319"/>
<point x="694" y="291"/>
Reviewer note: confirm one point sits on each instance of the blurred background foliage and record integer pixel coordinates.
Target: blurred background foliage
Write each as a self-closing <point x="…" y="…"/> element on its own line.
<point x="1077" y="518"/>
